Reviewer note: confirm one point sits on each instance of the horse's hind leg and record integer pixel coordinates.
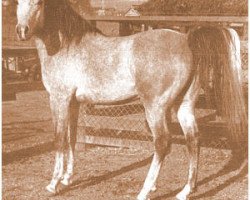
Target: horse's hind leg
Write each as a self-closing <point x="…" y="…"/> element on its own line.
<point x="71" y="140"/>
<point x="156" y="118"/>
<point x="189" y="126"/>
<point x="59" y="107"/>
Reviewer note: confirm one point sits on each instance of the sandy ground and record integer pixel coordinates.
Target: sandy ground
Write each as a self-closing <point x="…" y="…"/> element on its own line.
<point x="102" y="172"/>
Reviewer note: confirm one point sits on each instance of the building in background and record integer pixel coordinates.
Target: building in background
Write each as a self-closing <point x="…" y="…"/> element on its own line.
<point x="120" y="5"/>
<point x="105" y="7"/>
<point x="132" y="12"/>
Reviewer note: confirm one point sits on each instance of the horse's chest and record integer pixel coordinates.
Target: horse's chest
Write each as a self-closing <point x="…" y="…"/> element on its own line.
<point x="61" y="73"/>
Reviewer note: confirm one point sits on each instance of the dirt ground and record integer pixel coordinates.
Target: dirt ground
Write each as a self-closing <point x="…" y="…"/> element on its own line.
<point x="102" y="173"/>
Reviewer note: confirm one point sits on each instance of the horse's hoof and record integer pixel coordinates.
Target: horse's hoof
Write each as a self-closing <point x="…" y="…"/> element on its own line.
<point x="184" y="194"/>
<point x="181" y="197"/>
<point x="66" y="182"/>
<point x="51" y="189"/>
<point x="142" y="198"/>
<point x="153" y="189"/>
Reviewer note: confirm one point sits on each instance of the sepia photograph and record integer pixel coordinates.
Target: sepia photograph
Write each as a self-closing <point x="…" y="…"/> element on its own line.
<point x="124" y="99"/>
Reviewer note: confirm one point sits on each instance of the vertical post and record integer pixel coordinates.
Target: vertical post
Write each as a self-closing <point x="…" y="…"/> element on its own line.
<point x="102" y="4"/>
<point x="81" y="128"/>
<point x="142" y="27"/>
<point x="244" y="32"/>
<point x="4" y="70"/>
<point x="7" y="63"/>
<point x="17" y="66"/>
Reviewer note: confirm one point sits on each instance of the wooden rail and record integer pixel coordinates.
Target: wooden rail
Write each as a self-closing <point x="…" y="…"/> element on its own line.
<point x="9" y="51"/>
<point x="229" y="19"/>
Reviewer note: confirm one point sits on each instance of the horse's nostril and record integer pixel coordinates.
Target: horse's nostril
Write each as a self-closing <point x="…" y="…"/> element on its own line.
<point x="22" y="31"/>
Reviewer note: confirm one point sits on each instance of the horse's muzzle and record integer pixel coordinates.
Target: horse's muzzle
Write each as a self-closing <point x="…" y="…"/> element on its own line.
<point x="22" y="32"/>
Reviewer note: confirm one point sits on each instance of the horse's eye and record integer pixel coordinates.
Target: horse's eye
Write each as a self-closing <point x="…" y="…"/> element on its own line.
<point x="16" y="2"/>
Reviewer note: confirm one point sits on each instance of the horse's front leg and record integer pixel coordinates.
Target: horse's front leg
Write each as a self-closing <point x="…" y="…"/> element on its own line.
<point x="60" y="114"/>
<point x="71" y="139"/>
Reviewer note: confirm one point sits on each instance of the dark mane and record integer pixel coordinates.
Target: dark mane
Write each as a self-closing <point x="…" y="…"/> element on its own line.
<point x="60" y="16"/>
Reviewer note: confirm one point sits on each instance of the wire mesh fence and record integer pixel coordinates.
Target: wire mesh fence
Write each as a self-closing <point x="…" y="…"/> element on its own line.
<point x="244" y="60"/>
<point x="125" y="126"/>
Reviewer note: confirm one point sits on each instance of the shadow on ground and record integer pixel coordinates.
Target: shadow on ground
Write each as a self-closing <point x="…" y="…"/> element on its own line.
<point x="19" y="133"/>
<point x="234" y="164"/>
<point x="94" y="180"/>
<point x="15" y="156"/>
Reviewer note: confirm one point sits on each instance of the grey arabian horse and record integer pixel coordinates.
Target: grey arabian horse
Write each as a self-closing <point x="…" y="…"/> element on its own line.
<point x="164" y="68"/>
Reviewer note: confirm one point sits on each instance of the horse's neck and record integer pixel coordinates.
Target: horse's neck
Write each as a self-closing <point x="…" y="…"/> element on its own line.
<point x="42" y="51"/>
<point x="48" y="42"/>
<point x="49" y="45"/>
<point x="45" y="49"/>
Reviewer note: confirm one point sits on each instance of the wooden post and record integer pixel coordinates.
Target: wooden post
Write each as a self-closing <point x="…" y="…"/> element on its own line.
<point x="244" y="32"/>
<point x="81" y="130"/>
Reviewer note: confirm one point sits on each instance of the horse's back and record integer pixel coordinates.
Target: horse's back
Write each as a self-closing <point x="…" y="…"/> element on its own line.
<point x="160" y="39"/>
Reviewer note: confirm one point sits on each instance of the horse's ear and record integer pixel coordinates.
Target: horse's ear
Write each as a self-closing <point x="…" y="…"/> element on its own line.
<point x="52" y="43"/>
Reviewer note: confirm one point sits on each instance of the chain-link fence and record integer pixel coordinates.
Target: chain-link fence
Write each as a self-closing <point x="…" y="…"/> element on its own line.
<point x="244" y="60"/>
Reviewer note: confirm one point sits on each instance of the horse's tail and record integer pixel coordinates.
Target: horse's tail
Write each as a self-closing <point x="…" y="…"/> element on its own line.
<point x="216" y="56"/>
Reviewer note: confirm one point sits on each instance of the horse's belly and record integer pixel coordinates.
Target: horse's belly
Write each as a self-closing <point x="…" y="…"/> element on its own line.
<point x="107" y="93"/>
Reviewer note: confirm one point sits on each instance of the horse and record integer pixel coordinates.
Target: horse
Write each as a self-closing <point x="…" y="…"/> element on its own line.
<point x="166" y="69"/>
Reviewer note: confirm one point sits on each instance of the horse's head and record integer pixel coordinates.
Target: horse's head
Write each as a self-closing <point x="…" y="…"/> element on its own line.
<point x="46" y="18"/>
<point x="30" y="17"/>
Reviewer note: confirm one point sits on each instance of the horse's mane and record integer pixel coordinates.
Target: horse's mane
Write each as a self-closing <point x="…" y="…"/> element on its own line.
<point x="60" y="16"/>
